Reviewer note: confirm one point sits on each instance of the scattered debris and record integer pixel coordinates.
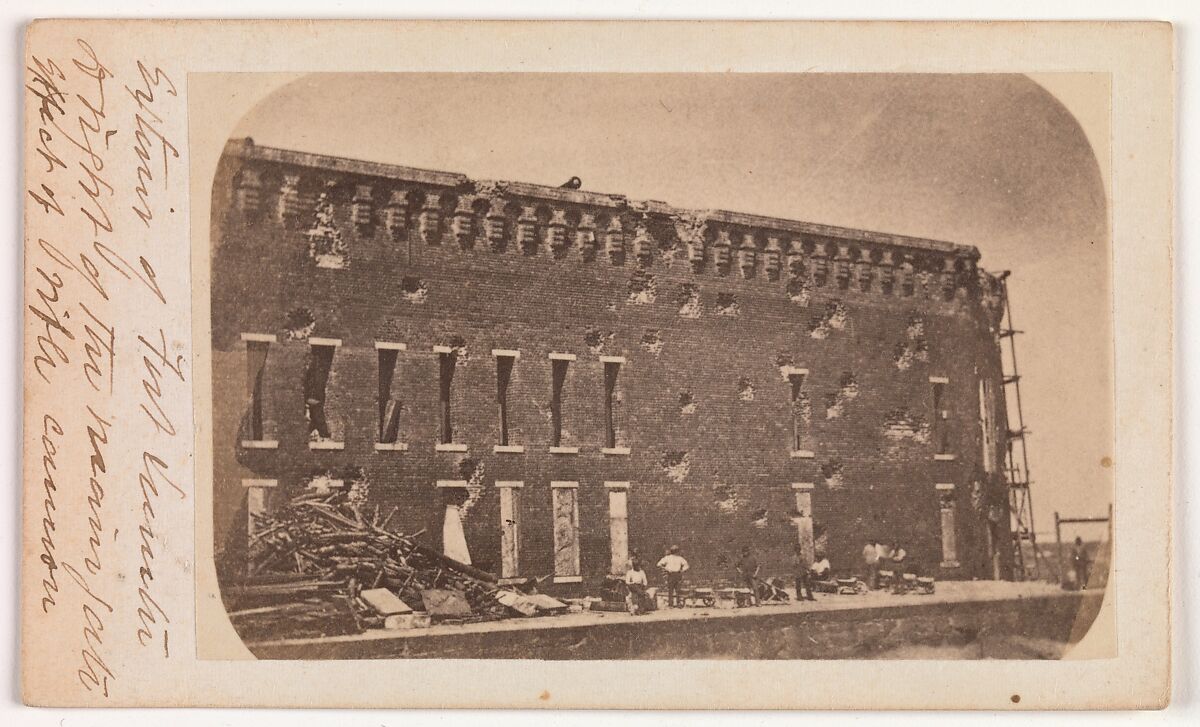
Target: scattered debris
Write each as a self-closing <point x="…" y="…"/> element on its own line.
<point x="445" y="603"/>
<point x="759" y="518"/>
<point x="323" y="483"/>
<point x="727" y="305"/>
<point x="358" y="490"/>
<point x="384" y="602"/>
<point x="310" y="561"/>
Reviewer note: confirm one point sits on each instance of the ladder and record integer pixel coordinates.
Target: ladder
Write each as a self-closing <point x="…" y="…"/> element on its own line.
<point x="1016" y="469"/>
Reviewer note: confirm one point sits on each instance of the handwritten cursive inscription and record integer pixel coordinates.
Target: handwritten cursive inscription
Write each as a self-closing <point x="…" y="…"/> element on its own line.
<point x="108" y="370"/>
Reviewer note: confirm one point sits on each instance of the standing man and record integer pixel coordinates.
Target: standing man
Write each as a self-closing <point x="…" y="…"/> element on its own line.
<point x="675" y="566"/>
<point x="803" y="567"/>
<point x="748" y="568"/>
<point x="1080" y="562"/>
<point x="870" y="556"/>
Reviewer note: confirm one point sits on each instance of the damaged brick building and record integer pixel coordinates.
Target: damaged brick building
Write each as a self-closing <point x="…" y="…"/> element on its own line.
<point x="553" y="378"/>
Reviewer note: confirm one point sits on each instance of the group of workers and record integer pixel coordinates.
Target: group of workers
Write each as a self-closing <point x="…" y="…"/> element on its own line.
<point x="673" y="565"/>
<point x="807" y="570"/>
<point x="878" y="556"/>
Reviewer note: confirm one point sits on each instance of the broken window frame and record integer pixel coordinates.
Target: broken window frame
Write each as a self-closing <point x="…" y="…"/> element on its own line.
<point x="316" y="392"/>
<point x="387" y="432"/>
<point x="258" y="347"/>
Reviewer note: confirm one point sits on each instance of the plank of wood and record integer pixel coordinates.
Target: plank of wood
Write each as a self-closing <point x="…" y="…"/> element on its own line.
<point x="384" y="602"/>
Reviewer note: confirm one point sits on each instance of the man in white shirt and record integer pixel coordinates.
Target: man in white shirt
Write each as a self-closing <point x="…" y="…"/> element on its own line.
<point x="674" y="565"/>
<point x="636" y="582"/>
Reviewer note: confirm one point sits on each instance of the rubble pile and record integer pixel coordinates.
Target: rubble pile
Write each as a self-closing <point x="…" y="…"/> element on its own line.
<point x="310" y="563"/>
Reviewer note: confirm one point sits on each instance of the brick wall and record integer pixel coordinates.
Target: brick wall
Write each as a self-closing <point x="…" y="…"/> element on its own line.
<point x="703" y="402"/>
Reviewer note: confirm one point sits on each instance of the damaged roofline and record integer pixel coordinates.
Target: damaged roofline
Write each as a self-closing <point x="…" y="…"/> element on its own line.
<point x="245" y="148"/>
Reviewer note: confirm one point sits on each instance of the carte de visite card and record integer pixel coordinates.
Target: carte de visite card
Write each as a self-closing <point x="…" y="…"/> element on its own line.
<point x="504" y="364"/>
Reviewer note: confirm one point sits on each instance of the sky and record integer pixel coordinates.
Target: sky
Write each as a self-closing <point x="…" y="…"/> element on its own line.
<point x="994" y="161"/>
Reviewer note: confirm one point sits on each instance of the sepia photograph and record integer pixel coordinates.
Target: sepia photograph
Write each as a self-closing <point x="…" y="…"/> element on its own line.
<point x="598" y="365"/>
<point x="602" y="366"/>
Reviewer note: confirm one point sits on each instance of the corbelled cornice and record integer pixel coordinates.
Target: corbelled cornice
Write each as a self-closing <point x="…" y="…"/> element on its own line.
<point x="439" y="208"/>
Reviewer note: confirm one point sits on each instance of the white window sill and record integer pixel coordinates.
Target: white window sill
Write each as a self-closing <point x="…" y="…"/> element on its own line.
<point x="944" y="457"/>
<point x="615" y="450"/>
<point x="391" y="446"/>
<point x="802" y="454"/>
<point x="259" y="337"/>
<point x="508" y="448"/>
<point x="326" y="445"/>
<point x="449" y="447"/>
<point x="511" y="581"/>
<point x="564" y="450"/>
<point x="260" y="444"/>
<point x="950" y="564"/>
<point x="568" y="579"/>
